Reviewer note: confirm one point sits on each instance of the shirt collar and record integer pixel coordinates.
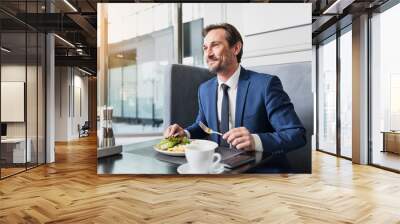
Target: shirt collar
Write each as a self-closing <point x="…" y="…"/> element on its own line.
<point x="232" y="82"/>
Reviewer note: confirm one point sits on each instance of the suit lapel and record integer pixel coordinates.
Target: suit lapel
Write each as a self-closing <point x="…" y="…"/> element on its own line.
<point x="212" y="98"/>
<point x="243" y="86"/>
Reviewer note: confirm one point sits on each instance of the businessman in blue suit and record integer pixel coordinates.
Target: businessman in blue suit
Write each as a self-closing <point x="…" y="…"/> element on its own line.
<point x="251" y="109"/>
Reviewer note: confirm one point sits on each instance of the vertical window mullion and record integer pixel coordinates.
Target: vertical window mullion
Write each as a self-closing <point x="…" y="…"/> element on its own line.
<point x="37" y="89"/>
<point x="122" y="91"/>
<point x="369" y="100"/>
<point x="0" y="91"/>
<point x="317" y="96"/>
<point x="26" y="87"/>
<point x="338" y="73"/>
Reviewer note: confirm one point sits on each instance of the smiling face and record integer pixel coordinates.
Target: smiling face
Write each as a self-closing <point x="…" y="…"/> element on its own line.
<point x="217" y="53"/>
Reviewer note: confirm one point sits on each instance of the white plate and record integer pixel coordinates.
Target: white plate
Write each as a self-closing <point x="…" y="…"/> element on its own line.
<point x="169" y="152"/>
<point x="184" y="169"/>
<point x="192" y="141"/>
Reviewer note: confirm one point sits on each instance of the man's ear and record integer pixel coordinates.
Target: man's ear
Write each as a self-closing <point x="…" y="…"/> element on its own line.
<point x="237" y="47"/>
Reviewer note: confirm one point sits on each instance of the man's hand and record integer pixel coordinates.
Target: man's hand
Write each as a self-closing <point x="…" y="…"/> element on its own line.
<point x="240" y="138"/>
<point x="174" y="130"/>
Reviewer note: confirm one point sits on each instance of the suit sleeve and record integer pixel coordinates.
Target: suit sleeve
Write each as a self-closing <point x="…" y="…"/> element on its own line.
<point x="288" y="133"/>
<point x="195" y="131"/>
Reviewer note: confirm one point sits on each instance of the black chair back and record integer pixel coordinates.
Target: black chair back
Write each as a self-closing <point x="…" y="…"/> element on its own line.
<point x="181" y="100"/>
<point x="296" y="79"/>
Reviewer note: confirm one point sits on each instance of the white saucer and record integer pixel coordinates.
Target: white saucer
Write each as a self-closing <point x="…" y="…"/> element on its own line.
<point x="184" y="169"/>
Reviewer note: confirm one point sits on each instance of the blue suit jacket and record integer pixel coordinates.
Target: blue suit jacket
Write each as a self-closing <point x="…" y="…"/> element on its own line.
<point x="262" y="106"/>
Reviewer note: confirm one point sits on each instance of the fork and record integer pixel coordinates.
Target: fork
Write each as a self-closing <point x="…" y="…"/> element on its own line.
<point x="208" y="130"/>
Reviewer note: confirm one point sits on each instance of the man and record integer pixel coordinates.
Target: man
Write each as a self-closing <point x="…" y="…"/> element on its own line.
<point x="251" y="109"/>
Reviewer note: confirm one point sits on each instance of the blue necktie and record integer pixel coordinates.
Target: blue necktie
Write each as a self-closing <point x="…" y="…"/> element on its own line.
<point x="224" y="125"/>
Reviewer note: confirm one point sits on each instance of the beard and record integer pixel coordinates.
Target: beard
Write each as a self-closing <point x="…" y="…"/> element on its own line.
<point x="219" y="64"/>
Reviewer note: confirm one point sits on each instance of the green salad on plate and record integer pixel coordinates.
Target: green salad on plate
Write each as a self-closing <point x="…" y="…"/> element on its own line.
<point x="172" y="142"/>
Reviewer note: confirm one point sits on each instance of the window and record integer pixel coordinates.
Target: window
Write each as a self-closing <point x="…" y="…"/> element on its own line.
<point x="327" y="96"/>
<point x="193" y="42"/>
<point x="346" y="93"/>
<point x="138" y="60"/>
<point x="22" y="75"/>
<point x="385" y="87"/>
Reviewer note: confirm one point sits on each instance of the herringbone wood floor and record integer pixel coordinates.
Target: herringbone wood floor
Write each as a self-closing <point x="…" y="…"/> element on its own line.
<point x="70" y="191"/>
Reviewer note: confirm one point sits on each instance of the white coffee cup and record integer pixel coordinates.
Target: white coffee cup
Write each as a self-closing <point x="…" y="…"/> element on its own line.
<point x="201" y="157"/>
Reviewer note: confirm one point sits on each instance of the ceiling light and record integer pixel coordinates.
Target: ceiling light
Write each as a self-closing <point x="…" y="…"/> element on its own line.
<point x="64" y="40"/>
<point x="70" y="5"/>
<point x="5" y="50"/>
<point x="86" y="72"/>
<point x="120" y="56"/>
<point x="338" y="6"/>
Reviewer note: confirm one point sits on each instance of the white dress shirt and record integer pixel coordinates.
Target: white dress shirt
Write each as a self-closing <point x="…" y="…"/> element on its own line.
<point x="232" y="82"/>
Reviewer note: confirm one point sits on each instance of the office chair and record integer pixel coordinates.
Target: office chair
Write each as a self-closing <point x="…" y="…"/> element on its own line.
<point x="84" y="130"/>
<point x="181" y="88"/>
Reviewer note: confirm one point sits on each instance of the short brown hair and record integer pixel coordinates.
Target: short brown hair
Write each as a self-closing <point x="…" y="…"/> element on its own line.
<point x="232" y="35"/>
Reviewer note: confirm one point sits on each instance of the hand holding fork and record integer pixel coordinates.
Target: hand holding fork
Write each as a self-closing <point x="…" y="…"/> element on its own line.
<point x="238" y="138"/>
<point x="210" y="131"/>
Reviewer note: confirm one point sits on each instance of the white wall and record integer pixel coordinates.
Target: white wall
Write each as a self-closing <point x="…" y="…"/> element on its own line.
<point x="33" y="126"/>
<point x="61" y="103"/>
<point x="14" y="73"/>
<point x="272" y="33"/>
<point x="69" y="82"/>
<point x="17" y="73"/>
<point x="122" y="15"/>
<point x="80" y="83"/>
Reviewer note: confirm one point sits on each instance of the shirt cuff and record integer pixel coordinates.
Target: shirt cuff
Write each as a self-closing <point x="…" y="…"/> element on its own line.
<point x="187" y="133"/>
<point x="257" y="143"/>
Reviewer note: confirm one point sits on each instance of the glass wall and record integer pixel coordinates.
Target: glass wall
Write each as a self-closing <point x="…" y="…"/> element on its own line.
<point x="41" y="97"/>
<point x="31" y="98"/>
<point x="13" y="84"/>
<point x="327" y="95"/>
<point x="346" y="92"/>
<point x="138" y="60"/>
<point x="22" y="91"/>
<point x="385" y="89"/>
